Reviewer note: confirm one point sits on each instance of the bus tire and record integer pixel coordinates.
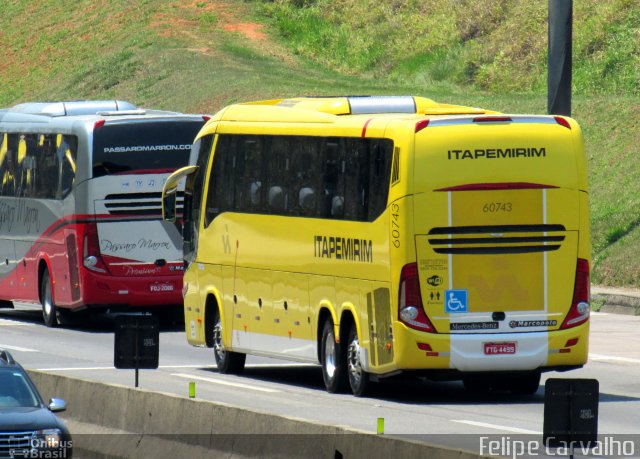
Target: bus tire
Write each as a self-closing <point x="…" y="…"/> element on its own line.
<point x="332" y="360"/>
<point x="65" y="316"/>
<point x="49" y="310"/>
<point x="228" y="362"/>
<point x="358" y="378"/>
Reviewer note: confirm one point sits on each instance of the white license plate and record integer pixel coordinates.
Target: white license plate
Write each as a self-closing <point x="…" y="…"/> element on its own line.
<point x="499" y="348"/>
<point x="161" y="288"/>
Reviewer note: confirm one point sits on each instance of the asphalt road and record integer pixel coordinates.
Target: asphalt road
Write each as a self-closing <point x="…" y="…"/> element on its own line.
<point x="416" y="408"/>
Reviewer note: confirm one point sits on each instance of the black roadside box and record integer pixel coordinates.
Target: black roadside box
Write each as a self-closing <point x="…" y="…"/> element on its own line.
<point x="137" y="342"/>
<point x="570" y="411"/>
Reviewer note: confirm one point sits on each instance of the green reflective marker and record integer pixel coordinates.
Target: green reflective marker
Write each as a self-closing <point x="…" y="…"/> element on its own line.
<point x="380" y="426"/>
<point x="192" y="389"/>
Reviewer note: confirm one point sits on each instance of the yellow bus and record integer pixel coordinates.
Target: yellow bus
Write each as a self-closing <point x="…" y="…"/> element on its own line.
<point x="382" y="235"/>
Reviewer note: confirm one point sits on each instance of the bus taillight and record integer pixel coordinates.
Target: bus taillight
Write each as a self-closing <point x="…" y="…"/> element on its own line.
<point x="579" y="312"/>
<point x="91" y="254"/>
<point x="410" y="310"/>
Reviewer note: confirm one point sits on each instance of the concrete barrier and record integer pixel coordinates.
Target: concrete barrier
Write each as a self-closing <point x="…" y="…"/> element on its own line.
<point x="112" y="421"/>
<point x="617" y="300"/>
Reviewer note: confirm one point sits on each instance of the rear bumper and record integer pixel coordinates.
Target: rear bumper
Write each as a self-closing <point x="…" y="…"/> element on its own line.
<point x="106" y="290"/>
<point x="465" y="353"/>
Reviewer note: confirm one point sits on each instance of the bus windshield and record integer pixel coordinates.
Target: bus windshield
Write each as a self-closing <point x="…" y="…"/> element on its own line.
<point x="139" y="148"/>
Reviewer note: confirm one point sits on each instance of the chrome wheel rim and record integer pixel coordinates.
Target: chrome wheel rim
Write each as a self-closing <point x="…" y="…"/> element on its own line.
<point x="218" y="347"/>
<point x="329" y="356"/>
<point x="353" y="361"/>
<point x="47" y="304"/>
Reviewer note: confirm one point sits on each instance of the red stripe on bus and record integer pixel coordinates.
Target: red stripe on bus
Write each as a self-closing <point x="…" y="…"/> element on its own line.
<point x="364" y="128"/>
<point x="497" y="186"/>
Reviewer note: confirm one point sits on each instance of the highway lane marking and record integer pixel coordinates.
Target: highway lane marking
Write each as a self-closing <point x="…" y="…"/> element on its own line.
<point x="14" y="323"/>
<point x="17" y="348"/>
<point x="593" y="313"/>
<point x="612" y="358"/>
<point x="278" y="365"/>
<point x="112" y="368"/>
<point x="496" y="427"/>
<point x="224" y="383"/>
<point x="204" y="365"/>
<point x="75" y="368"/>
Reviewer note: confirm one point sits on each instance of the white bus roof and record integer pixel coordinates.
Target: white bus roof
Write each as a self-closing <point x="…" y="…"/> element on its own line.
<point x="49" y="112"/>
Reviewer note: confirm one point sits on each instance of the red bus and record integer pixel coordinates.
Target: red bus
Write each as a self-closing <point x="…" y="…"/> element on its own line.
<point x="80" y="206"/>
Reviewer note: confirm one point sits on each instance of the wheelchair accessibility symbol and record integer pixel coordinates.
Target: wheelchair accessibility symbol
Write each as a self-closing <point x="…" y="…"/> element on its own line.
<point x="455" y="301"/>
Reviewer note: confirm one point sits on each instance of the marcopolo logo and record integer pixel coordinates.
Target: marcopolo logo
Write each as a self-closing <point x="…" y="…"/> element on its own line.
<point x="532" y="323"/>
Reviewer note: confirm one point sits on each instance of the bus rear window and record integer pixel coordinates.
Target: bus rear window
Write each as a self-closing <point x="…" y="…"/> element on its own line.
<point x="142" y="147"/>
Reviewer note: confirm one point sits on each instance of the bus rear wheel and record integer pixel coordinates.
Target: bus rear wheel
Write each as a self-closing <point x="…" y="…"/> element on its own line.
<point x="358" y="378"/>
<point x="332" y="360"/>
<point x="228" y="362"/>
<point x="49" y="310"/>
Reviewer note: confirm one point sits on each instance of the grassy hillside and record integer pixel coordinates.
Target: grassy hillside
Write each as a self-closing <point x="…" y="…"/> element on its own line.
<point x="199" y="55"/>
<point x="498" y="45"/>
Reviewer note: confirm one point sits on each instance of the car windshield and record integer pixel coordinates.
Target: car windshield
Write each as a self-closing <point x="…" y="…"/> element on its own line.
<point x="15" y="391"/>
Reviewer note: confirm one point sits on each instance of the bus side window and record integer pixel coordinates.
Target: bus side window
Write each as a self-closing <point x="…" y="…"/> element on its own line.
<point x="228" y="188"/>
<point x="381" y="152"/>
<point x="66" y="151"/>
<point x="8" y="164"/>
<point x="278" y="175"/>
<point x="303" y="177"/>
<point x="356" y="179"/>
<point x="40" y="167"/>
<point x="218" y="185"/>
<point x="333" y="180"/>
<point x="253" y="174"/>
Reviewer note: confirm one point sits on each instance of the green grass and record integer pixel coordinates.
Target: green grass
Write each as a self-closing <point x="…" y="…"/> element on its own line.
<point x="185" y="56"/>
<point x="499" y="45"/>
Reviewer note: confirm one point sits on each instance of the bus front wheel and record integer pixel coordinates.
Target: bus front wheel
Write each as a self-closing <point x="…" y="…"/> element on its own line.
<point x="332" y="359"/>
<point x="228" y="362"/>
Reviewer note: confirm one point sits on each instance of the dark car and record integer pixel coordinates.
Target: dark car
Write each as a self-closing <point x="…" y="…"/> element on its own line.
<point x="28" y="427"/>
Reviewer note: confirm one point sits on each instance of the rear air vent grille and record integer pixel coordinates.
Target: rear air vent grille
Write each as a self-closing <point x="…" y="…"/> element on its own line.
<point x="496" y="239"/>
<point x="138" y="203"/>
<point x="489" y="229"/>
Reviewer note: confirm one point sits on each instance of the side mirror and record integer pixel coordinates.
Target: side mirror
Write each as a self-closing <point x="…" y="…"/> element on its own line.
<point x="56" y="404"/>
<point x="169" y="205"/>
<point x="170" y="192"/>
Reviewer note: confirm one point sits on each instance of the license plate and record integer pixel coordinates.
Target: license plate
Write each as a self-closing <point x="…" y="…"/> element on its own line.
<point x="161" y="288"/>
<point x="499" y="348"/>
